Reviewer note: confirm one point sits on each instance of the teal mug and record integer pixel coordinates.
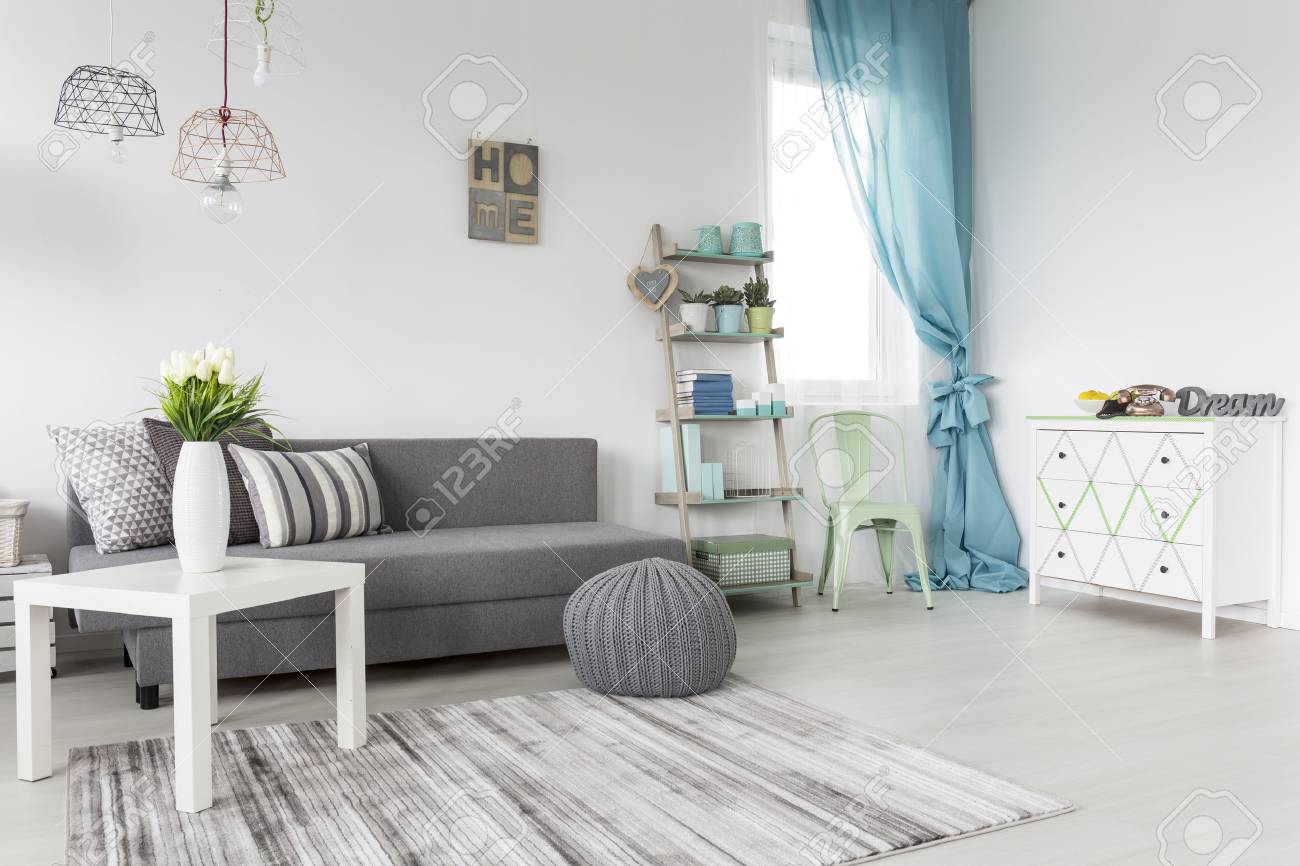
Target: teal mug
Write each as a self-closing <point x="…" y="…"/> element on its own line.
<point x="747" y="239"/>
<point x="710" y="242"/>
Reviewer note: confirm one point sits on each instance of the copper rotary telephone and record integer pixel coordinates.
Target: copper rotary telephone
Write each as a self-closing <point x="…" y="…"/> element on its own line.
<point x="1140" y="400"/>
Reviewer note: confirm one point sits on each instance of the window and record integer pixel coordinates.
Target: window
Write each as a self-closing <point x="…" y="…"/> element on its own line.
<point x="848" y="341"/>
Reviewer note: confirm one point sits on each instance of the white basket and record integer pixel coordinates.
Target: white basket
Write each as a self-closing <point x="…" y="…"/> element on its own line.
<point x="11" y="530"/>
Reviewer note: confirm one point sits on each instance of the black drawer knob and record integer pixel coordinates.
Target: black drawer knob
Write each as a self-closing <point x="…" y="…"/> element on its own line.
<point x="1060" y="455"/>
<point x="1164" y="515"/>
<point x="1164" y="569"/>
<point x="1060" y="554"/>
<point x="1060" y="505"/>
<point x="1164" y="459"/>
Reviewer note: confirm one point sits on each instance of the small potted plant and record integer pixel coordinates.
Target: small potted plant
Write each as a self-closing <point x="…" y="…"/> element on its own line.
<point x="727" y="306"/>
<point x="695" y="310"/>
<point x="206" y="403"/>
<point x="758" y="306"/>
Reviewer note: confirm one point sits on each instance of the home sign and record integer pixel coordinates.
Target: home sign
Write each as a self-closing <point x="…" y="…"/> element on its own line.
<point x="503" y="192"/>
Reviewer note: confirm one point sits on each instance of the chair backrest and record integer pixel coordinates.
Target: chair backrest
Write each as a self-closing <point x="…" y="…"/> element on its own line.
<point x="863" y="446"/>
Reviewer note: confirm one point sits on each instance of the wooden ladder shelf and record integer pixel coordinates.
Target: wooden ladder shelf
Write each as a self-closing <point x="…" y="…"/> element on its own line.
<point x="677" y="333"/>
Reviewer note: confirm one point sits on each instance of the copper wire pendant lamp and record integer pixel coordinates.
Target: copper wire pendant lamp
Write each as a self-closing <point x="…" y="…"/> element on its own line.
<point x="109" y="101"/>
<point x="225" y="146"/>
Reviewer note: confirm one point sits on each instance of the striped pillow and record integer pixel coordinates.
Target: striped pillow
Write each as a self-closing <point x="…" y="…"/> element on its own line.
<point x="302" y="498"/>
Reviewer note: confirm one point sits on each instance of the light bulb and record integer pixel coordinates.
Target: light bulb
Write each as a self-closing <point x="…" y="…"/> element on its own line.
<point x="221" y="201"/>
<point x="262" y="74"/>
<point x="117" y="150"/>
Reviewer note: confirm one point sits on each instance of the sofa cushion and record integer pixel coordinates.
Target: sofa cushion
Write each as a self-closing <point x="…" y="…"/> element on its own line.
<point x="167" y="444"/>
<point x="305" y="497"/>
<point x="116" y="477"/>
<point x="445" y="566"/>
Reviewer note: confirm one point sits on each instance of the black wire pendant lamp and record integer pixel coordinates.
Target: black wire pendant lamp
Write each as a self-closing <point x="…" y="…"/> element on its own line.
<point x="109" y="101"/>
<point x="225" y="146"/>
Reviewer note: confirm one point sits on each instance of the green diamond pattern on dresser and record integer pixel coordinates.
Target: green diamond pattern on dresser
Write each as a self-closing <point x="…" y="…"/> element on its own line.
<point x="1121" y="508"/>
<point x="1187" y="509"/>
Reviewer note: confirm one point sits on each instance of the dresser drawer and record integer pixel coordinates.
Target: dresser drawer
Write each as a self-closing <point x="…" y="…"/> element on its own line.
<point x="1069" y="555"/>
<point x="1138" y="564"/>
<point x="1120" y="457"/>
<point x="1135" y="511"/>
<point x="8" y="632"/>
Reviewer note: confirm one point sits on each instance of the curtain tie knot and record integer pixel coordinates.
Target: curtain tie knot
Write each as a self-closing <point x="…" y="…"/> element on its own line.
<point x="959" y="404"/>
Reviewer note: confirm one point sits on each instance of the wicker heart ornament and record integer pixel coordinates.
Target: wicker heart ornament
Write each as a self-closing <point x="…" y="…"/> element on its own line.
<point x="652" y="286"/>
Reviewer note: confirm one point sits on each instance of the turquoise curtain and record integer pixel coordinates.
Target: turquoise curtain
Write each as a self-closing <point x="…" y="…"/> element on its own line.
<point x="895" y="77"/>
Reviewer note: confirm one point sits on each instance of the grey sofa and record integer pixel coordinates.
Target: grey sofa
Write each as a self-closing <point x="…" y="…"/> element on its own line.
<point x="490" y="572"/>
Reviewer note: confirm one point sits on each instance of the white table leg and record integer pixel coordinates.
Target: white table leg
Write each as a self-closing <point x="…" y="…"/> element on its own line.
<point x="212" y="669"/>
<point x="1033" y="588"/>
<point x="350" y="665"/>
<point x="1207" y="620"/>
<point x="191" y="670"/>
<point x="32" y="678"/>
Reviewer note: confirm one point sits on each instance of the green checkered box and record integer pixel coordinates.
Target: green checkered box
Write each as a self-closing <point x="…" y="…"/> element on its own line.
<point x="743" y="560"/>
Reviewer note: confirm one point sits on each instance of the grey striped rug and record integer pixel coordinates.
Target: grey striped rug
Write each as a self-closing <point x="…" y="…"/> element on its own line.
<point x="740" y="775"/>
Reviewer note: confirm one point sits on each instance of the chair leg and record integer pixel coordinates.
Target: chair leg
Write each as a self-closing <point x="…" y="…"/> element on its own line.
<point x="843" y="539"/>
<point x="828" y="553"/>
<point x="922" y="563"/>
<point x="885" y="541"/>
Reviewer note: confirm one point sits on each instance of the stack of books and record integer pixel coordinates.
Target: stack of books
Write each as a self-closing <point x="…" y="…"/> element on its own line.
<point x="708" y="392"/>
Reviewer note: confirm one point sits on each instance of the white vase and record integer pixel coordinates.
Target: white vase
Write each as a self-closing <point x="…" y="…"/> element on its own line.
<point x="201" y="507"/>
<point x="695" y="317"/>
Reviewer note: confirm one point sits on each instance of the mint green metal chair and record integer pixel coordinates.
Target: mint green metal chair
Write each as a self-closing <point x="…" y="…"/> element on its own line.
<point x="849" y="436"/>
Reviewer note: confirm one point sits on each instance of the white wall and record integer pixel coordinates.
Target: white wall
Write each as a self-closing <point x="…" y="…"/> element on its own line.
<point x="1140" y="264"/>
<point x="393" y="322"/>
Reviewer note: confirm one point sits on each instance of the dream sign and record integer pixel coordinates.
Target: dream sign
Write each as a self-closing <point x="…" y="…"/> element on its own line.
<point x="1196" y="402"/>
<point x="653" y="286"/>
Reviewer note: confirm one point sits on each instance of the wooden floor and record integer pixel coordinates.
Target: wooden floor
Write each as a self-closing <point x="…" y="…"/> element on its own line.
<point x="1122" y="708"/>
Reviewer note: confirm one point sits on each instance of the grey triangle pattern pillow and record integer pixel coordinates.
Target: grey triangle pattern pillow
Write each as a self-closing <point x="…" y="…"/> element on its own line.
<point x="167" y="444"/>
<point x="119" y="482"/>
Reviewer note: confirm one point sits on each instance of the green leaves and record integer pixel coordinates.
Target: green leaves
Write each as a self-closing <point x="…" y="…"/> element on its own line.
<point x="205" y="411"/>
<point x="726" y="296"/>
<point x="756" y="293"/>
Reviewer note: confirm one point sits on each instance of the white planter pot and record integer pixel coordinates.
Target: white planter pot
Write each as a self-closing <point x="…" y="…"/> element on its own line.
<point x="695" y="316"/>
<point x="201" y="507"/>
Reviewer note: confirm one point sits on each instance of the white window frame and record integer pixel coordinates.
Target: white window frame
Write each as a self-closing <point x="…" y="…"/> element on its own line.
<point x="891" y="338"/>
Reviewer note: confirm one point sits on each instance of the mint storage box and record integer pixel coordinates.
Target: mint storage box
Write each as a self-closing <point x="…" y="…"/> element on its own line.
<point x="735" y="561"/>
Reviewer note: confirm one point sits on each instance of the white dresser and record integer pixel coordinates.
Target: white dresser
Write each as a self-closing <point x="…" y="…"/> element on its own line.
<point x="30" y="565"/>
<point x="1187" y="508"/>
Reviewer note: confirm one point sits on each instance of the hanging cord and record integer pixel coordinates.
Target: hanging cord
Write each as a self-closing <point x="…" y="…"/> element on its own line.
<point x="110" y="34"/>
<point x="225" y="71"/>
<point x="257" y="14"/>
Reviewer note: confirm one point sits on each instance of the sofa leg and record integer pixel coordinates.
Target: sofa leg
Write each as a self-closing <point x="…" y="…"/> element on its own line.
<point x="126" y="658"/>
<point x="148" y="697"/>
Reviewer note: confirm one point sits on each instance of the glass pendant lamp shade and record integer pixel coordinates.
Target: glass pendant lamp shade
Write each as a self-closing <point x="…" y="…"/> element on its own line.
<point x="235" y="135"/>
<point x="102" y="99"/>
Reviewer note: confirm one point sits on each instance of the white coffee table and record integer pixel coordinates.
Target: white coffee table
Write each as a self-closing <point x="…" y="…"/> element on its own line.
<point x="191" y="602"/>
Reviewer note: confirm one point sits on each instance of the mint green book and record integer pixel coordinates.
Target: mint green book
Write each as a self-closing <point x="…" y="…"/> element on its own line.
<point x="691" y="458"/>
<point x="667" y="467"/>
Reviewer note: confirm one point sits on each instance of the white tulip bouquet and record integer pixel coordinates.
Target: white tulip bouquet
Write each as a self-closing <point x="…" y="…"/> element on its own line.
<point x="204" y="401"/>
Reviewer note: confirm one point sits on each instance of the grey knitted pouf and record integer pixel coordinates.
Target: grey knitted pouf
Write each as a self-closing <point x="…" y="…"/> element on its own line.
<point x="651" y="629"/>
